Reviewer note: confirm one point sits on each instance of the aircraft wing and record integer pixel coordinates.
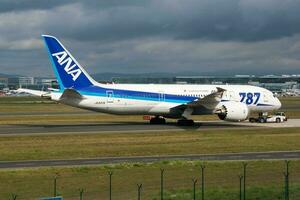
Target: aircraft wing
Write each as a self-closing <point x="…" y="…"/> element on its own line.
<point x="210" y="101"/>
<point x="34" y="92"/>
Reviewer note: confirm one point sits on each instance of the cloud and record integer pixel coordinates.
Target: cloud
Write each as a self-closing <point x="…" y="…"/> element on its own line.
<point x="23" y="5"/>
<point x="156" y="35"/>
<point x="183" y="20"/>
<point x="27" y="44"/>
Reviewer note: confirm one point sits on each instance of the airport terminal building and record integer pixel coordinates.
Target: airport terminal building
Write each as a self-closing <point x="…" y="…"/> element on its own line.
<point x="278" y="84"/>
<point x="274" y="83"/>
<point x="284" y="84"/>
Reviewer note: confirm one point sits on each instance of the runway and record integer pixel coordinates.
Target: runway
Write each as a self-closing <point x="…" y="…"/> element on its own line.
<point x="280" y="155"/>
<point x="24" y="129"/>
<point x="43" y="129"/>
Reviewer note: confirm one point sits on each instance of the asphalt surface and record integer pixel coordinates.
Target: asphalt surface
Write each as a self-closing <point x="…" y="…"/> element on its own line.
<point x="41" y="129"/>
<point x="284" y="155"/>
<point x="47" y="113"/>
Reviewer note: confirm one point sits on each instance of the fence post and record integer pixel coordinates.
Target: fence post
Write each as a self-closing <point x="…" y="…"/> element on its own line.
<point x="244" y="177"/>
<point x="139" y="190"/>
<point x="14" y="196"/>
<point x="81" y="194"/>
<point x="162" y="184"/>
<point x="286" y="176"/>
<point x="55" y="185"/>
<point x="110" y="173"/>
<point x="202" y="181"/>
<point x="241" y="192"/>
<point x="194" y="188"/>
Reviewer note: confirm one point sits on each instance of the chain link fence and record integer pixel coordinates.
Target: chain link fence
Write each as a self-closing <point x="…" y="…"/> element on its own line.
<point x="266" y="180"/>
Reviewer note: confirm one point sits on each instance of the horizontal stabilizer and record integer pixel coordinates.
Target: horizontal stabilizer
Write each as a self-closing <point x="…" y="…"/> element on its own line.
<point x="34" y="92"/>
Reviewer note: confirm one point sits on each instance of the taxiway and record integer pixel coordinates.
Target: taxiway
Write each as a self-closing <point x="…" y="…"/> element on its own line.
<point x="278" y="155"/>
<point x="42" y="129"/>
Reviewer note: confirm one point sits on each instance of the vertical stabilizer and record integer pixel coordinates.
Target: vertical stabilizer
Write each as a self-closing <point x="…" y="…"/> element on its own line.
<point x="69" y="73"/>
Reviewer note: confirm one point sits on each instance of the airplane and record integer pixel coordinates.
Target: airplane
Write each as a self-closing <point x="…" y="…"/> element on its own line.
<point x="178" y="101"/>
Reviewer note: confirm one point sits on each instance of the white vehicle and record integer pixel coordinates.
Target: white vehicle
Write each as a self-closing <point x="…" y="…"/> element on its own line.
<point x="278" y="118"/>
<point x="79" y="89"/>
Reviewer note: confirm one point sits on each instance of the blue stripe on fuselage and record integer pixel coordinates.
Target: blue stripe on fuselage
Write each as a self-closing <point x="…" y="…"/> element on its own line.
<point x="262" y="104"/>
<point x="137" y="95"/>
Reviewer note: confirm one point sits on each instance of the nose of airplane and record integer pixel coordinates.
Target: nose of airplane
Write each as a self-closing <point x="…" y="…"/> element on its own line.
<point x="277" y="103"/>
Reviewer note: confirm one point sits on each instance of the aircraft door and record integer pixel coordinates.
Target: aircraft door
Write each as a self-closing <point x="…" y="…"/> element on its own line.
<point x="161" y="96"/>
<point x="233" y="96"/>
<point x="109" y="96"/>
<point x="265" y="98"/>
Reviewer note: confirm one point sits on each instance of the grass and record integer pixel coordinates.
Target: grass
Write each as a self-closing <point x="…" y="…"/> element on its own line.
<point x="264" y="180"/>
<point x="291" y="105"/>
<point x="30" y="147"/>
<point x="271" y="192"/>
<point x="32" y="104"/>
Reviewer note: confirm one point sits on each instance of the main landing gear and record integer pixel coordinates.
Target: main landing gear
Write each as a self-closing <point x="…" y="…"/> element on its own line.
<point x="185" y="118"/>
<point x="185" y="122"/>
<point x="157" y="120"/>
<point x="180" y="122"/>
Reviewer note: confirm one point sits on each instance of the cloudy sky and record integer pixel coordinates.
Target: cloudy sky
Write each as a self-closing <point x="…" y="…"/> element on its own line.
<point x="146" y="36"/>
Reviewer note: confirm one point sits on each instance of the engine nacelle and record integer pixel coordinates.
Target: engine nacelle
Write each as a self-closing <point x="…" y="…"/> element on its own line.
<point x="232" y="111"/>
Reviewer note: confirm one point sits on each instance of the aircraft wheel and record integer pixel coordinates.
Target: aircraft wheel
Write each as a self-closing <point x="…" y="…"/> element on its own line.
<point x="185" y="122"/>
<point x="157" y="120"/>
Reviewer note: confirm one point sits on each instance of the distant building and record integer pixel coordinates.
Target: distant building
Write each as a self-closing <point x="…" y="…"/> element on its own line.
<point x="141" y="80"/>
<point x="13" y="82"/>
<point x="3" y="82"/>
<point x="25" y="81"/>
<point x="274" y="83"/>
<point x="44" y="81"/>
<point x="48" y="82"/>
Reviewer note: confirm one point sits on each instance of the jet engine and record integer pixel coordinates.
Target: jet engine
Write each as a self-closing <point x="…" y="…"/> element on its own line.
<point x="232" y="111"/>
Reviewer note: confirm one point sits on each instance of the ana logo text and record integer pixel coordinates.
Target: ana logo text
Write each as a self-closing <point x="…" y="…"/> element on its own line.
<point x="62" y="58"/>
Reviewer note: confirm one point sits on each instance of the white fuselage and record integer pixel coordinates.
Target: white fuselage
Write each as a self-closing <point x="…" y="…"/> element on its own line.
<point x="256" y="98"/>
